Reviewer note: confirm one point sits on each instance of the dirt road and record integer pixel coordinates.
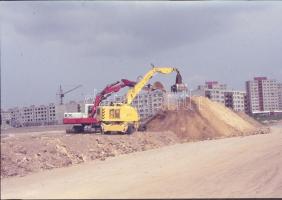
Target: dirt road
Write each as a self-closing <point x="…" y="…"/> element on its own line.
<point x="248" y="166"/>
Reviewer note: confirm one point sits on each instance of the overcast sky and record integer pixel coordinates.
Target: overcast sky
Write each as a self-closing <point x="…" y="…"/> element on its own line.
<point x="45" y="44"/>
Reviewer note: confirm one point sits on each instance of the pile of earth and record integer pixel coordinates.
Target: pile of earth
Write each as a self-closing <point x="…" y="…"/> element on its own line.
<point x="202" y="118"/>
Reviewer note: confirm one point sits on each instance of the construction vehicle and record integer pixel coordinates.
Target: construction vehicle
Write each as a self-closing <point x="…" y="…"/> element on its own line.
<point x="86" y="121"/>
<point x="124" y="118"/>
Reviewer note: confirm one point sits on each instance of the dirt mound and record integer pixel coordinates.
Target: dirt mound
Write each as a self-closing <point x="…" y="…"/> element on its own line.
<point x="203" y="119"/>
<point x="250" y="119"/>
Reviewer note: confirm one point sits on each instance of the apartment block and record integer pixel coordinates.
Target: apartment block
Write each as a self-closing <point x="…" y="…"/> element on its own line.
<point x="50" y="114"/>
<point x="235" y="100"/>
<point x="5" y="119"/>
<point x="262" y="95"/>
<point x="280" y="95"/>
<point x="220" y="93"/>
<point x="148" y="103"/>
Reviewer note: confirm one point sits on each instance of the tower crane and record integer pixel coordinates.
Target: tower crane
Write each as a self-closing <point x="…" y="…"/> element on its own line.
<point x="62" y="93"/>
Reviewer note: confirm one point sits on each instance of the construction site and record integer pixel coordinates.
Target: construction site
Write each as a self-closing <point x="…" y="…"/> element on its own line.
<point x="141" y="100"/>
<point x="101" y="132"/>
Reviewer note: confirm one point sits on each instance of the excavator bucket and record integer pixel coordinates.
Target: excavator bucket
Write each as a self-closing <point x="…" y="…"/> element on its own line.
<point x="179" y="86"/>
<point x="178" y="79"/>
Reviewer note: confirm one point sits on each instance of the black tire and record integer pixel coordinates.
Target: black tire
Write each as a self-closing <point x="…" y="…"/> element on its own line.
<point x="78" y="129"/>
<point x="130" y="130"/>
<point x="142" y="128"/>
<point x="69" y="131"/>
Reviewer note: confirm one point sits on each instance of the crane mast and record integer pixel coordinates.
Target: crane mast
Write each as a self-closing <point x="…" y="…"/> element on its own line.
<point x="62" y="93"/>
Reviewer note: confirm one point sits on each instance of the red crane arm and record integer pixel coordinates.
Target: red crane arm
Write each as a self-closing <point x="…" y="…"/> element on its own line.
<point x="108" y="90"/>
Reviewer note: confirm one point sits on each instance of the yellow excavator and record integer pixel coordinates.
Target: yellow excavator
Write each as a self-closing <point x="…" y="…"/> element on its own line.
<point x="122" y="117"/>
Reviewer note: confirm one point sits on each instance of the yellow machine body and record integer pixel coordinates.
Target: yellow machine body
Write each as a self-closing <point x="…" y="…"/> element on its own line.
<point x="117" y="113"/>
<point x="118" y="118"/>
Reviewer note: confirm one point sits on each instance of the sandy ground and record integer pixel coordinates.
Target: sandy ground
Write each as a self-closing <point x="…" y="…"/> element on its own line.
<point x="249" y="166"/>
<point x="34" y="129"/>
<point x="32" y="149"/>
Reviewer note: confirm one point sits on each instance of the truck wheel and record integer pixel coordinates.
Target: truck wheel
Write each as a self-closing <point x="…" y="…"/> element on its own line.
<point x="69" y="131"/>
<point x="130" y="130"/>
<point x="78" y="129"/>
<point x="142" y="128"/>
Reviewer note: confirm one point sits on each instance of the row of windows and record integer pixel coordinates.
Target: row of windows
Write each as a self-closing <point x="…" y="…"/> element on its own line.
<point x="29" y="116"/>
<point x="43" y="108"/>
<point x="37" y="120"/>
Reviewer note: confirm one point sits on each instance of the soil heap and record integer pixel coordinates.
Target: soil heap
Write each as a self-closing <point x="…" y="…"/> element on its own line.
<point x="202" y="118"/>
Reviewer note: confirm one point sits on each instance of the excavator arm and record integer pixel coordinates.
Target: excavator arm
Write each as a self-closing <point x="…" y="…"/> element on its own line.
<point x="108" y="90"/>
<point x="133" y="92"/>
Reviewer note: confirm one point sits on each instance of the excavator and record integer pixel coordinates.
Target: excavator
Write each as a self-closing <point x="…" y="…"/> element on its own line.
<point x="86" y="121"/>
<point x="123" y="117"/>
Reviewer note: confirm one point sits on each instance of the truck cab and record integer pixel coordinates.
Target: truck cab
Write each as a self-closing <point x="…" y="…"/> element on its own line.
<point x="80" y="117"/>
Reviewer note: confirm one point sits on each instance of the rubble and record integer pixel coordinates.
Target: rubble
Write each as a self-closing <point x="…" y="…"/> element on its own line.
<point x="29" y="154"/>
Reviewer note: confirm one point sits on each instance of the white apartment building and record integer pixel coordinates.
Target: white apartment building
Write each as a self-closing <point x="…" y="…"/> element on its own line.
<point x="219" y="93"/>
<point x="37" y="115"/>
<point x="262" y="95"/>
<point x="280" y="95"/>
<point x="148" y="103"/>
<point x="5" y="119"/>
<point x="235" y="100"/>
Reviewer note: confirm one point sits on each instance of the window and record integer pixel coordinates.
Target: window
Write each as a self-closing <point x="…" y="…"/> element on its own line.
<point x="114" y="113"/>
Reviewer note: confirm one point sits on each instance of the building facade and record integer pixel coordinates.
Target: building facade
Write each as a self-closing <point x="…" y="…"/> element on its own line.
<point x="262" y="95"/>
<point x="5" y="119"/>
<point x="220" y="93"/>
<point x="280" y="95"/>
<point x="50" y="114"/>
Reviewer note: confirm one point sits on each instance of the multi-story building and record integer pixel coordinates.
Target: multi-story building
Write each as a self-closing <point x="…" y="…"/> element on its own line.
<point x="5" y="119"/>
<point x="219" y="93"/>
<point x="16" y="117"/>
<point x="262" y="95"/>
<point x="39" y="115"/>
<point x="148" y="103"/>
<point x="50" y="114"/>
<point x="235" y="100"/>
<point x="280" y="95"/>
<point x="213" y="90"/>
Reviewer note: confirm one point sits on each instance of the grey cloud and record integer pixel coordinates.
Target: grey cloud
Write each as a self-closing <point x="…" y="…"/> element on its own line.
<point x="116" y="29"/>
<point x="44" y="44"/>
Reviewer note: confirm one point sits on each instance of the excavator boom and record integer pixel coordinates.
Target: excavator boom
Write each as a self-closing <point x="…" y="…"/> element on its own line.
<point x="124" y="117"/>
<point x="108" y="90"/>
<point x="133" y="92"/>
